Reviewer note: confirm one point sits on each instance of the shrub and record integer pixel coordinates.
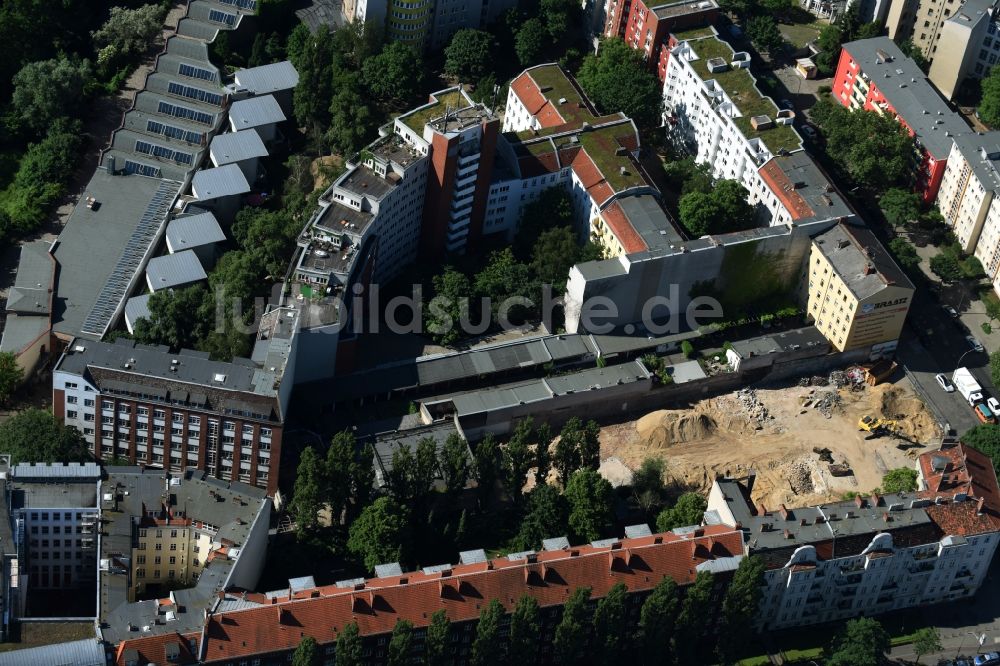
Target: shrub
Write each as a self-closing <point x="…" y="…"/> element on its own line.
<point x="687" y="349"/>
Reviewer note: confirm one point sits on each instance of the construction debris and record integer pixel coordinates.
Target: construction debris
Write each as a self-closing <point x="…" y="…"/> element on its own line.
<point x="799" y="476"/>
<point x="825" y="454"/>
<point x="757" y="413"/>
<point x="827" y="402"/>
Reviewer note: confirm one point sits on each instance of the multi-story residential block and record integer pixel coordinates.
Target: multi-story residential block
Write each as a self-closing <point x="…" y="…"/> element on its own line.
<point x="646" y="27"/>
<point x="923" y="22"/>
<point x="973" y="46"/>
<point x="269" y="626"/>
<point x="874" y="75"/>
<point x="425" y="24"/>
<point x="169" y="410"/>
<point x="857" y="296"/>
<point x="715" y="111"/>
<point x="172" y="545"/>
<point x="872" y="554"/>
<point x="969" y="199"/>
<point x="53" y="512"/>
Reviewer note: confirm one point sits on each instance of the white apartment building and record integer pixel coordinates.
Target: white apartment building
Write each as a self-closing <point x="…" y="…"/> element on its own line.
<point x="876" y="554"/>
<point x="705" y="78"/>
<point x="969" y="198"/>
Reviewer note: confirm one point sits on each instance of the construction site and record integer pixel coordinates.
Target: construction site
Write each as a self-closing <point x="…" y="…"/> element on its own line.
<point x="808" y="443"/>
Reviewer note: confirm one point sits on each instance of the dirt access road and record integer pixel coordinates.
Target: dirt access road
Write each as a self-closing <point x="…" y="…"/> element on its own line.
<point x="773" y="432"/>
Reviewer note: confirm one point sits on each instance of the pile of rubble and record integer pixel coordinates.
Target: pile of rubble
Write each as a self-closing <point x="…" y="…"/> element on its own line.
<point x="799" y="477"/>
<point x="755" y="409"/>
<point x="826" y="402"/>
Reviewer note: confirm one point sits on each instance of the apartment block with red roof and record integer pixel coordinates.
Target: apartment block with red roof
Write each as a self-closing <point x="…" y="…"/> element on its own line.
<point x="270" y="626"/>
<point x="874" y="75"/>
<point x="647" y="27"/>
<point x="874" y="554"/>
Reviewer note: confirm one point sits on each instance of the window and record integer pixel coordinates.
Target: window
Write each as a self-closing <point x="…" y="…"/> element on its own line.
<point x="88" y="402"/>
<point x="71" y="399"/>
<point x="183" y="112"/>
<point x="72" y="385"/>
<point x="71" y="414"/>
<point x="196" y="72"/>
<point x="159" y="414"/>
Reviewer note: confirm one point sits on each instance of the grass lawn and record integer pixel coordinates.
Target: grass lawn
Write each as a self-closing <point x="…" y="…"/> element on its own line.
<point x="800" y="34"/>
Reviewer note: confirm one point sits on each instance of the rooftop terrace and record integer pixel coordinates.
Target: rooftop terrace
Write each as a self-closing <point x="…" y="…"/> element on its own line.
<point x="449" y="100"/>
<point x="741" y="88"/>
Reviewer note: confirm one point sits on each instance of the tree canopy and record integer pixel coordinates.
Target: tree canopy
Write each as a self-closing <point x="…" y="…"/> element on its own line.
<point x="617" y="79"/>
<point x="395" y="75"/>
<point x="380" y="534"/>
<point x="899" y="480"/>
<point x="547" y="515"/>
<point x="989" y="103"/>
<point x="128" y="32"/>
<point x="530" y="40"/>
<point x="739" y="608"/>
<point x="525" y="628"/>
<point x="689" y="510"/>
<point x="591" y="504"/>
<point x="986" y="438"/>
<point x="900" y="206"/>
<point x="569" y="644"/>
<point x="487" y="647"/>
<point x="863" y="642"/>
<point x="350" y="651"/>
<point x="657" y="618"/>
<point x="721" y="210"/>
<point x="11" y="376"/>
<point x="763" y="32"/>
<point x="35" y="436"/>
<point x="469" y="55"/>
<point x="307" y="653"/>
<point x="48" y="90"/>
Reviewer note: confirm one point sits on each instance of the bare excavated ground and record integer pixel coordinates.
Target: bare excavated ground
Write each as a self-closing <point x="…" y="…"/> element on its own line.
<point x="774" y="432"/>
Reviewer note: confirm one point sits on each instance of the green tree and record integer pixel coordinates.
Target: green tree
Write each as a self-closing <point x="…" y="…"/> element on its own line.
<point x="984" y="437"/>
<point x="11" y="376"/>
<point x="763" y="32"/>
<point x="41" y="176"/>
<point x="530" y="41"/>
<point x="989" y="103"/>
<point x="449" y="306"/>
<point x="177" y="318"/>
<point x="128" y="33"/>
<point x="739" y="609"/>
<point x="910" y="50"/>
<point x="469" y="55"/>
<point x="904" y="253"/>
<point x="400" y="643"/>
<point x="504" y="280"/>
<point x="47" y="90"/>
<point x="349" y="476"/>
<point x="559" y="16"/>
<point x="946" y="267"/>
<point x="578" y="447"/>
<point x="611" y="625"/>
<point x="926" y="641"/>
<point x="525" y="628"/>
<point x="436" y="642"/>
<point x="863" y="642"/>
<point x="35" y="436"/>
<point x="547" y="516"/>
<point x="350" y="651"/>
<point x="617" y="79"/>
<point x="691" y="626"/>
<point x="487" y="649"/>
<point x="570" y="643"/>
<point x="900" y="206"/>
<point x="307" y="493"/>
<point x="312" y="54"/>
<point x="687" y="348"/>
<point x="647" y="484"/>
<point x="551" y="210"/>
<point x="657" y="618"/>
<point x="486" y="461"/>
<point x="454" y="463"/>
<point x="689" y="510"/>
<point x="352" y="122"/>
<point x="899" y="480"/>
<point x="307" y="653"/>
<point x="591" y="504"/>
<point x="694" y="177"/>
<point x="555" y="252"/>
<point x="395" y="75"/>
<point x="518" y="458"/>
<point x="543" y="461"/>
<point x="380" y="534"/>
<point x="722" y="210"/>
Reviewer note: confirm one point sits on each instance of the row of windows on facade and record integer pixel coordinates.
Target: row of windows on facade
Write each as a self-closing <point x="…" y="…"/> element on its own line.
<point x="193" y="420"/>
<point x="56" y="529"/>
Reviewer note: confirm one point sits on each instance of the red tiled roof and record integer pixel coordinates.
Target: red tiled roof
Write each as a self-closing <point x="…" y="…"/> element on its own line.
<point x="462" y="592"/>
<point x="623" y="230"/>
<point x="784" y="189"/>
<point x="535" y="102"/>
<point x="961" y="469"/>
<point x="152" y="649"/>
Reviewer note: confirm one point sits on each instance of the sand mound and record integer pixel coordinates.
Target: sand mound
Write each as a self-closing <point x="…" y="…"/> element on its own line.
<point x="662" y="428"/>
<point x="910" y="414"/>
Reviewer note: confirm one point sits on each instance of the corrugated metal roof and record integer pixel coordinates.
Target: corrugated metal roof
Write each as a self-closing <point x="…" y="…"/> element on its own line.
<point x="87" y="652"/>
<point x="268" y="78"/>
<point x="174" y="270"/>
<point x="222" y="181"/>
<point x="184" y="233"/>
<point x="255" y="112"/>
<point x="27" y="471"/>
<point x="236" y="147"/>
<point x="136" y="308"/>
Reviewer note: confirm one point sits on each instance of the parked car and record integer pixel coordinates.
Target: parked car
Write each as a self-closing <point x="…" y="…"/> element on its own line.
<point x="988" y="659"/>
<point x="985" y="415"/>
<point x="787" y="104"/>
<point x="945" y="383"/>
<point x="950" y="310"/>
<point x="973" y="343"/>
<point x="993" y="404"/>
<point x="809" y="132"/>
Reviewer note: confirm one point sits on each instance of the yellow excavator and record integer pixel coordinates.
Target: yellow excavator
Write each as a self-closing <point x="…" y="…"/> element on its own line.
<point x="877" y="427"/>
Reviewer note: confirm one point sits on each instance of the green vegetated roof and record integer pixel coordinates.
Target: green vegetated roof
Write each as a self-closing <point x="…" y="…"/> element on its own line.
<point x="739" y="85"/>
<point x="602" y="146"/>
<point x="555" y="85"/>
<point x="450" y="100"/>
<point x="694" y="33"/>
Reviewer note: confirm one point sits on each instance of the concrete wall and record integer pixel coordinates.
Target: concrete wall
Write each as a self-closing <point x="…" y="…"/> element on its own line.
<point x="741" y="270"/>
<point x="246" y="572"/>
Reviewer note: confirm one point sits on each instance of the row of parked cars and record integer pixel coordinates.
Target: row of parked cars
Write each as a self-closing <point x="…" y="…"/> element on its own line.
<point x="986" y="408"/>
<point x="988" y="659"/>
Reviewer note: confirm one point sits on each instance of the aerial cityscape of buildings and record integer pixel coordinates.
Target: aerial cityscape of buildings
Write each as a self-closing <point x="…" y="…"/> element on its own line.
<point x="160" y="542"/>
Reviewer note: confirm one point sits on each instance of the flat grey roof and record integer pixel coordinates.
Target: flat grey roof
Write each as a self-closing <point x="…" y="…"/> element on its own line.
<point x="19" y="331"/>
<point x="807" y="336"/>
<point x="386" y="445"/>
<point x="137" y="308"/>
<point x="255" y="112"/>
<point x="364" y="182"/>
<point x="906" y="88"/>
<point x="100" y="250"/>
<point x="222" y="181"/>
<point x="982" y="151"/>
<point x="649" y="220"/>
<point x="236" y="146"/>
<point x="150" y="363"/>
<point x="76" y="494"/>
<point x="86" y="652"/>
<point x="338" y="218"/>
<point x="58" y="471"/>
<point x="174" y="270"/>
<point x="803" y="188"/>
<point x="34" y="280"/>
<point x="190" y="231"/>
<point x="687" y="371"/>
<point x="268" y="78"/>
<point x="850" y="248"/>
